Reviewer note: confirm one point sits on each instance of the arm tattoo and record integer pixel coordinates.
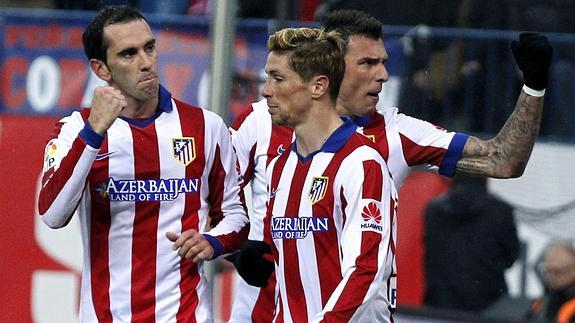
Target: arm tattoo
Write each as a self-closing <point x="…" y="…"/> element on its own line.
<point x="507" y="154"/>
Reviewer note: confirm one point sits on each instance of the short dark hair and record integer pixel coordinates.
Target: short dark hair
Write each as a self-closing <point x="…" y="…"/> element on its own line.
<point x="353" y="22"/>
<point x="93" y="36"/>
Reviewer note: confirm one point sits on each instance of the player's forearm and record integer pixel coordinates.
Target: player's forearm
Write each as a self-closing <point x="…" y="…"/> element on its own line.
<point x="506" y="155"/>
<point x="233" y="228"/>
<point x="226" y="195"/>
<point x="244" y="140"/>
<point x="62" y="188"/>
<point x="351" y="297"/>
<point x="233" y="225"/>
<point x="230" y="242"/>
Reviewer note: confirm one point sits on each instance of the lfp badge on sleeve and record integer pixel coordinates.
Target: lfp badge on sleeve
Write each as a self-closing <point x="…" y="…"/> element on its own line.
<point x="184" y="150"/>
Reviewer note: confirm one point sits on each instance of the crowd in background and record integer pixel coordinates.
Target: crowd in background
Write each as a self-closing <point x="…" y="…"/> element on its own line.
<point x="466" y="263"/>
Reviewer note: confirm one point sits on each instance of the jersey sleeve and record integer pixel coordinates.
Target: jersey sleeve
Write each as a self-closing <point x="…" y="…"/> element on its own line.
<point x="368" y="204"/>
<point x="227" y="205"/>
<point x="266" y="234"/>
<point x="68" y="158"/>
<point x="429" y="147"/>
<point x="244" y="140"/>
<point x="256" y="141"/>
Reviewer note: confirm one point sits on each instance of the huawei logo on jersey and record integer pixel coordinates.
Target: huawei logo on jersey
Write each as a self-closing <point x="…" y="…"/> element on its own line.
<point x="371" y="211"/>
<point x="371" y="215"/>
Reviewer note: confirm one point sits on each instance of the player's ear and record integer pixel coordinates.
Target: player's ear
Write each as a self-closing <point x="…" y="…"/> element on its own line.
<point x="320" y="86"/>
<point x="100" y="69"/>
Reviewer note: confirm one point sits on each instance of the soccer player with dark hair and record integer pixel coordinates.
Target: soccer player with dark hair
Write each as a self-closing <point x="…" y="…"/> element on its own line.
<point x="145" y="173"/>
<point x="406" y="143"/>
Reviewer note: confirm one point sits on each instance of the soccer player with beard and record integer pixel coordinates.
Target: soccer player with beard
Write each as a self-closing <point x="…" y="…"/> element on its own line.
<point x="146" y="174"/>
<point x="331" y="201"/>
<point x="407" y="143"/>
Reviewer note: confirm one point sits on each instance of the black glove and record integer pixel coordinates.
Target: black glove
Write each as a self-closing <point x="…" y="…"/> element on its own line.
<point x="251" y="264"/>
<point x="533" y="56"/>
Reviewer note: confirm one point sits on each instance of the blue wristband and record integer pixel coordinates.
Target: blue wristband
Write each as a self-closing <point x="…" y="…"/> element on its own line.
<point x="91" y="137"/>
<point x="216" y="244"/>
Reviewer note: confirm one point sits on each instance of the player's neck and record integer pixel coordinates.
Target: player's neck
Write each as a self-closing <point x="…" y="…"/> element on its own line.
<point x="141" y="110"/>
<point x="312" y="134"/>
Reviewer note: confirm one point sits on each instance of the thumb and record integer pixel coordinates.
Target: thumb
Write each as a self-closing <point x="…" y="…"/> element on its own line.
<point x="172" y="236"/>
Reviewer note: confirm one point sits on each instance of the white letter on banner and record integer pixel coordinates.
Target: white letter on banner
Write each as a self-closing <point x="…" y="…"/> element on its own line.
<point x="43" y="83"/>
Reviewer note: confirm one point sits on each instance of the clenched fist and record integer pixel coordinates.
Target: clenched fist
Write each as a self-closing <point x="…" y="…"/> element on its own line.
<point x="107" y="105"/>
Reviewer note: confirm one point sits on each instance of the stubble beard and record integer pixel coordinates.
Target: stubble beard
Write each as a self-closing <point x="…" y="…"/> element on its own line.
<point x="277" y="120"/>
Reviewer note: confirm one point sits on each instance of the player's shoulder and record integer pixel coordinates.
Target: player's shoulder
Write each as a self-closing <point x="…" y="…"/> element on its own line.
<point x="387" y="112"/>
<point x="407" y="124"/>
<point x="76" y="117"/>
<point x="357" y="140"/>
<point x="394" y="116"/>
<point x="358" y="149"/>
<point x="189" y="108"/>
<point x="361" y="152"/>
<point x="211" y="120"/>
<point x="254" y="112"/>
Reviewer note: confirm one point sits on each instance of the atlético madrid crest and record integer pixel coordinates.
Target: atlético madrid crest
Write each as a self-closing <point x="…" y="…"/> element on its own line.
<point x="184" y="149"/>
<point x="318" y="189"/>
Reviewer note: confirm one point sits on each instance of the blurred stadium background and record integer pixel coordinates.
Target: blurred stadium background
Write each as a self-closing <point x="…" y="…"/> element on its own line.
<point x="452" y="67"/>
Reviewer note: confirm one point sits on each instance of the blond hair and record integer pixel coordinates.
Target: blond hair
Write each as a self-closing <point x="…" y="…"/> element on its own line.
<point x="312" y="52"/>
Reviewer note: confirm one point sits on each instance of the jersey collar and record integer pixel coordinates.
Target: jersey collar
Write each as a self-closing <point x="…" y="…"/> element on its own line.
<point x="165" y="102"/>
<point x="334" y="142"/>
<point x="365" y="120"/>
<point x="164" y="105"/>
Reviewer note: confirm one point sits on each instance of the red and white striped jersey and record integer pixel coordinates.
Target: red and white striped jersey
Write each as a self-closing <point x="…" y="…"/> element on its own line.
<point x="330" y="217"/>
<point x="172" y="172"/>
<point x="256" y="142"/>
<point x="406" y="144"/>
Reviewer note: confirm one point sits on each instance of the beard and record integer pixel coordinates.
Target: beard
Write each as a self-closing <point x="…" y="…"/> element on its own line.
<point x="279" y="120"/>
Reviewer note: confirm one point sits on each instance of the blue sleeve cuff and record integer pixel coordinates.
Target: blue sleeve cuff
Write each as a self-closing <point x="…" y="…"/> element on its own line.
<point x="91" y="137"/>
<point x="216" y="244"/>
<point x="453" y="155"/>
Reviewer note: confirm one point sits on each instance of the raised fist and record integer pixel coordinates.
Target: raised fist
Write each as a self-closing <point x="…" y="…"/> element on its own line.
<point x="533" y="56"/>
<point x="107" y="105"/>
